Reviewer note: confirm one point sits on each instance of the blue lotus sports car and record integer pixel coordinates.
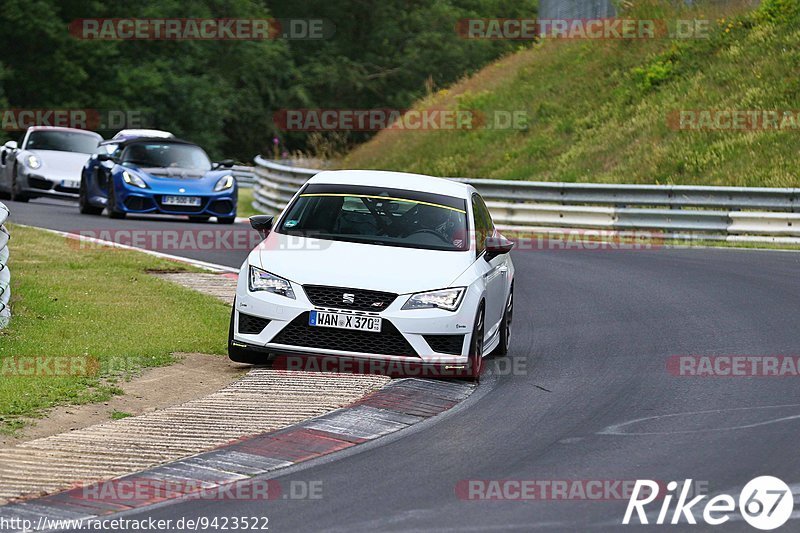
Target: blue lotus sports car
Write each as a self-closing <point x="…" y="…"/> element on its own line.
<point x="157" y="175"/>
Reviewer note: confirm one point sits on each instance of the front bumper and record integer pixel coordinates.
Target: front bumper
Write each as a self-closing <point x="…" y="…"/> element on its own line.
<point x="38" y="184"/>
<point x="278" y="325"/>
<point x="135" y="200"/>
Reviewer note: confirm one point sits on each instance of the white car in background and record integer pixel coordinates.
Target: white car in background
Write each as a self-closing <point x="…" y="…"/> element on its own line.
<point x="377" y="265"/>
<point x="152" y="134"/>
<point x="47" y="163"/>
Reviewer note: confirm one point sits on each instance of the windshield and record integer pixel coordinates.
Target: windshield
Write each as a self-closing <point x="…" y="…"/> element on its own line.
<point x="166" y="155"/>
<point x="373" y="215"/>
<point x="62" y="141"/>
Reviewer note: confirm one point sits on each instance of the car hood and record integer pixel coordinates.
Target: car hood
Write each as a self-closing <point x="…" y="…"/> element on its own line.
<point x="60" y="165"/>
<point x="310" y="261"/>
<point x="175" y="172"/>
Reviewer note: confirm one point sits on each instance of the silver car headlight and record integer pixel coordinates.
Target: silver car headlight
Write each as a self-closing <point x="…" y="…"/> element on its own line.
<point x="133" y="179"/>
<point x="224" y="183"/>
<point x="33" y="162"/>
<point x="261" y="280"/>
<point x="447" y="299"/>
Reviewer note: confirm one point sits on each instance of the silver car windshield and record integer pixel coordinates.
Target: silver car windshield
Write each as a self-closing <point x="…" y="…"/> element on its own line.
<point x="62" y="141"/>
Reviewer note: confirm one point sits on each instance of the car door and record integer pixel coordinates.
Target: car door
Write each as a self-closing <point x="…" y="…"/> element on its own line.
<point x="494" y="269"/>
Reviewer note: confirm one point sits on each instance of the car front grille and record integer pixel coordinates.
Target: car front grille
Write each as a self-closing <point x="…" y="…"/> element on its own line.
<point x="449" y="344"/>
<point x="138" y="203"/>
<point x="221" y="206"/>
<point x="344" y="298"/>
<point x="252" y="325"/>
<point x="388" y="342"/>
<point x="35" y="182"/>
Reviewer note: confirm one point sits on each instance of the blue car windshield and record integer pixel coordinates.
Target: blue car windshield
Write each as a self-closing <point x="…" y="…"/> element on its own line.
<point x="166" y="155"/>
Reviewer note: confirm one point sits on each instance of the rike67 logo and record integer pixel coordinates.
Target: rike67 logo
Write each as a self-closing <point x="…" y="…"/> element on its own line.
<point x="765" y="503"/>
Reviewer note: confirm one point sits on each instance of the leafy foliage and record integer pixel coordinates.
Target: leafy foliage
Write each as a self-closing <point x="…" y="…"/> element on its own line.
<point x="222" y="94"/>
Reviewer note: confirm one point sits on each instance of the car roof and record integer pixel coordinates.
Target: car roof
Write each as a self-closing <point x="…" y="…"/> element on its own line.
<point x="131" y="133"/>
<point x="393" y="180"/>
<point x="134" y="140"/>
<point x="61" y="128"/>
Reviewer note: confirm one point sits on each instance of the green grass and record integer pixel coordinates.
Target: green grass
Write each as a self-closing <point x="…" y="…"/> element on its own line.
<point x="598" y="110"/>
<point x="95" y="308"/>
<point x="245" y="205"/>
<point x="119" y="415"/>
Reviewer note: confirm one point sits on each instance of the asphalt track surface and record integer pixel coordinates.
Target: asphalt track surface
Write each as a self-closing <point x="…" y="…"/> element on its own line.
<point x="592" y="335"/>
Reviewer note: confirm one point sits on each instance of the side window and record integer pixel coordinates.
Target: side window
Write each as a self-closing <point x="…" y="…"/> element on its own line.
<point x="483" y="223"/>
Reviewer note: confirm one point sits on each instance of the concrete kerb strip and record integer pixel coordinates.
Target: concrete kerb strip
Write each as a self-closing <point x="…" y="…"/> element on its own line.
<point x="225" y="472"/>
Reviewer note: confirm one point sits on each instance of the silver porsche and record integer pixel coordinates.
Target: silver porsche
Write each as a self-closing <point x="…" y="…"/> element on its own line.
<point x="48" y="162"/>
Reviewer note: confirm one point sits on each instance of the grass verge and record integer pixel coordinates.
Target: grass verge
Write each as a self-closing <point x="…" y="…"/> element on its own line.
<point x="245" y="205"/>
<point x="84" y="318"/>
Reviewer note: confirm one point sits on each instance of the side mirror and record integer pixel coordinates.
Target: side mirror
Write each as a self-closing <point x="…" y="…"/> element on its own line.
<point x="226" y="163"/>
<point x="11" y="145"/>
<point x="497" y="245"/>
<point x="262" y="224"/>
<point x="104" y="157"/>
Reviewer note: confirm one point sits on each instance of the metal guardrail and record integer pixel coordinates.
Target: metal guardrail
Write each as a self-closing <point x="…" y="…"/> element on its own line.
<point x="679" y="211"/>
<point x="5" y="273"/>
<point x="244" y="175"/>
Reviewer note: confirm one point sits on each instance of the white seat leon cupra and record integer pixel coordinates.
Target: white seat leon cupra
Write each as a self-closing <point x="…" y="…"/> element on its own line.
<point x="403" y="272"/>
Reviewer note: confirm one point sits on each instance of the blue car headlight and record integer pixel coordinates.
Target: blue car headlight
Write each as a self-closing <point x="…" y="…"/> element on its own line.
<point x="133" y="179"/>
<point x="261" y="280"/>
<point x="224" y="183"/>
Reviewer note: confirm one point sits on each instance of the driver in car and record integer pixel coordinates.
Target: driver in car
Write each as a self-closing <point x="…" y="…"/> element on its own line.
<point x="435" y="219"/>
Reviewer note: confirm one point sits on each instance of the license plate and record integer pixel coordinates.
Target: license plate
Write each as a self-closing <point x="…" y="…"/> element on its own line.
<point x="193" y="201"/>
<point x="345" y="321"/>
<point x="71" y="184"/>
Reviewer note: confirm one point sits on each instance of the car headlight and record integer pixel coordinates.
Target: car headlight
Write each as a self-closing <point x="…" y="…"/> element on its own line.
<point x="448" y="299"/>
<point x="33" y="162"/>
<point x="224" y="183"/>
<point x="133" y="179"/>
<point x="261" y="280"/>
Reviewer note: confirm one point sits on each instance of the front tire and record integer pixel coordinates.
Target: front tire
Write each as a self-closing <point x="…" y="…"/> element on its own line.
<point x="16" y="194"/>
<point x="475" y="364"/>
<point x="505" y="326"/>
<point x="83" y="202"/>
<point x="111" y="207"/>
